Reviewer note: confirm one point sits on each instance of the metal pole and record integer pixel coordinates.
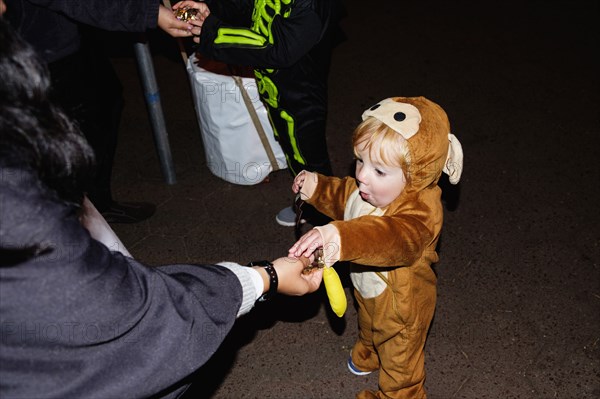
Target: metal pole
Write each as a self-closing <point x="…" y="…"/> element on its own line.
<point x="159" y="129"/>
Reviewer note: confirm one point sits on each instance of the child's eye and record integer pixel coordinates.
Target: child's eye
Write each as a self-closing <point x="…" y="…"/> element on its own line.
<point x="380" y="172"/>
<point x="358" y="160"/>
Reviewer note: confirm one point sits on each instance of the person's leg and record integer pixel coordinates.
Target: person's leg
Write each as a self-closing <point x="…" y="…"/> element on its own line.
<point x="363" y="357"/>
<point x="302" y="131"/>
<point x="305" y="148"/>
<point x="105" y="102"/>
<point x="401" y="320"/>
<point x="76" y="88"/>
<point x="312" y="143"/>
<point x="86" y="86"/>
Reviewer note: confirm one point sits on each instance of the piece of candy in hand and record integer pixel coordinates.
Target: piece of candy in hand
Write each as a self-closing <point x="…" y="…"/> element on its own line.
<point x="186" y="14"/>
<point x="317" y="263"/>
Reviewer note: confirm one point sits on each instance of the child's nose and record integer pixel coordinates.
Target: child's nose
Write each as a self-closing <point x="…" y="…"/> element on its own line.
<point x="361" y="178"/>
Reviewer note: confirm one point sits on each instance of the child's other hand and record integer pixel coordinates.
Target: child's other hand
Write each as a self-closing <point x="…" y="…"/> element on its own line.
<point x="307" y="244"/>
<point x="298" y="182"/>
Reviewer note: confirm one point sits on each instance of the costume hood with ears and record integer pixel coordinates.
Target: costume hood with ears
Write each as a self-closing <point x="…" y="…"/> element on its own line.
<point x="425" y="126"/>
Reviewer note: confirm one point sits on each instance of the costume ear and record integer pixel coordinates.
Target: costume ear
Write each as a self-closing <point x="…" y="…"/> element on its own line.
<point x="454" y="161"/>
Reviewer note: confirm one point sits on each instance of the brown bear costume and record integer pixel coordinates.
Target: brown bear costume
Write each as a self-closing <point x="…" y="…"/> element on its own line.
<point x="392" y="249"/>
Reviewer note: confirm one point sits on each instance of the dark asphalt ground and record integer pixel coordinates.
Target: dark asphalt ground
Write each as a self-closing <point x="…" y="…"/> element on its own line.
<point x="519" y="280"/>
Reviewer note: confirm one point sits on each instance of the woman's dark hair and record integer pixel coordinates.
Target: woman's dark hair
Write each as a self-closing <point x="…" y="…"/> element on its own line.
<point x="34" y="133"/>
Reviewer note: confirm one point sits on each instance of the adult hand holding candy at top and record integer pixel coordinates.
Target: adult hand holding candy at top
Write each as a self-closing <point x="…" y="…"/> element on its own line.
<point x="174" y="26"/>
<point x="194" y="13"/>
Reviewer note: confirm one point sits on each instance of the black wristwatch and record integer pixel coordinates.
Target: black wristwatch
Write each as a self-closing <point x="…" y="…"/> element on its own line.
<point x="273" y="279"/>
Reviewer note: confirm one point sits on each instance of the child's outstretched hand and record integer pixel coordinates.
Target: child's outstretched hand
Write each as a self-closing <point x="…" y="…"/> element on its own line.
<point x="307" y="244"/>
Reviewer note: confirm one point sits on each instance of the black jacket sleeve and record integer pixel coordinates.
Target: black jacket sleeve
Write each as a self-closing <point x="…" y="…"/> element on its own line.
<point x="235" y="12"/>
<point x="127" y="16"/>
<point x="290" y="38"/>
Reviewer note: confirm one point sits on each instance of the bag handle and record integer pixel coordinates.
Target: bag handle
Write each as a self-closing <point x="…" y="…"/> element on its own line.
<point x="259" y="128"/>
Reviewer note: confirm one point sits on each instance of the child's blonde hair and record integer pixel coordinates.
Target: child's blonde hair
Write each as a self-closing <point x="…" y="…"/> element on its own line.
<point x="383" y="143"/>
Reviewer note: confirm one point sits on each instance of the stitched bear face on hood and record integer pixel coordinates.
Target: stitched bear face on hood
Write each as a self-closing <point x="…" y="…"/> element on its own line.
<point x="425" y="126"/>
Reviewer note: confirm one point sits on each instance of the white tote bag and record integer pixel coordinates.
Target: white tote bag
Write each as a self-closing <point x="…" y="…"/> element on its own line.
<point x="233" y="147"/>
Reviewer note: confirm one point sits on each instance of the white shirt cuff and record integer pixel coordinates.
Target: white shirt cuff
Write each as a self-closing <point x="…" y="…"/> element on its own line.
<point x="252" y="285"/>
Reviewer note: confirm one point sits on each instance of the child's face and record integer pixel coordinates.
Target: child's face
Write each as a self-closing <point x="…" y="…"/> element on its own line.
<point x="379" y="184"/>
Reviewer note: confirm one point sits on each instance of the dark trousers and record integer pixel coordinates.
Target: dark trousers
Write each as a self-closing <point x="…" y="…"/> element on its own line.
<point x="304" y="145"/>
<point x="86" y="86"/>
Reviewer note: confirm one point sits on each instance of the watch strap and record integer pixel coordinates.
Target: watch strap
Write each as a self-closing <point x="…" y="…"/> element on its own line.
<point x="273" y="278"/>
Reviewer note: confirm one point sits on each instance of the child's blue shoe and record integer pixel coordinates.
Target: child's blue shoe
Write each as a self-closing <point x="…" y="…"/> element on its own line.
<point x="354" y="370"/>
<point x="286" y="217"/>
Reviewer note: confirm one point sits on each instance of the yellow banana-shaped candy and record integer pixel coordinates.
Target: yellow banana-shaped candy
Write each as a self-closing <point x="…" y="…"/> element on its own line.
<point x="335" y="291"/>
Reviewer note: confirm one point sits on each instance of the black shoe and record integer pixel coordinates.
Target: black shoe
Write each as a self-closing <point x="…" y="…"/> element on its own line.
<point x="128" y="212"/>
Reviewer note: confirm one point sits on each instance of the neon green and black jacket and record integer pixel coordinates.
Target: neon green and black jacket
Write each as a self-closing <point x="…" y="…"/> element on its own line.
<point x="289" y="44"/>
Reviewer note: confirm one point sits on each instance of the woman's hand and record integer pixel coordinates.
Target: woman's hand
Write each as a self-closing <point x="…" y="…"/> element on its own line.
<point x="307" y="244"/>
<point x="291" y="279"/>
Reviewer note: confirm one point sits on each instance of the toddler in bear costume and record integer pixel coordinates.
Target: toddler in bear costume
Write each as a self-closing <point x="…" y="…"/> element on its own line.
<point x="387" y="222"/>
